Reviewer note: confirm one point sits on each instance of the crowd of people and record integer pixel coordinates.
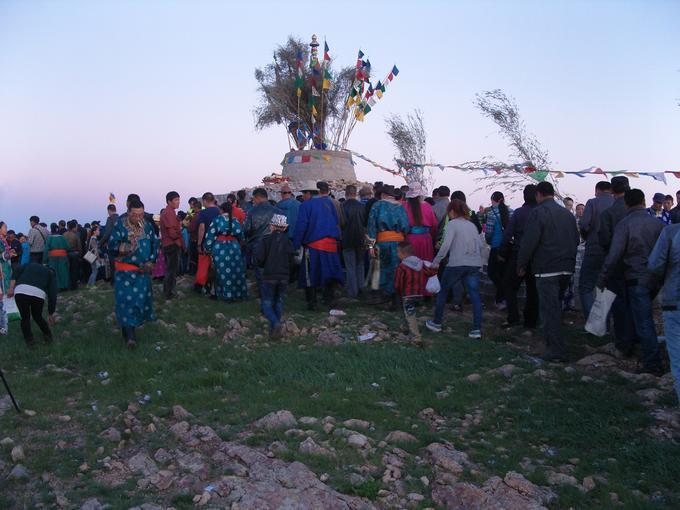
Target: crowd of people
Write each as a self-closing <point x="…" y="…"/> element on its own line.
<point x="398" y="247"/>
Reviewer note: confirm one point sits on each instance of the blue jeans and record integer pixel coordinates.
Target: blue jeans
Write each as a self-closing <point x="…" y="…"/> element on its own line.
<point x="469" y="276"/>
<point x="271" y="301"/>
<point x="93" y="274"/>
<point x="640" y="308"/>
<point x="671" y="325"/>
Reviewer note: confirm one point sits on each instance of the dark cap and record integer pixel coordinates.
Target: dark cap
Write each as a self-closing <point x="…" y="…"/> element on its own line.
<point x="659" y="198"/>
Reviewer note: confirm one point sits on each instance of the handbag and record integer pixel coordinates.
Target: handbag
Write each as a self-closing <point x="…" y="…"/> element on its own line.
<point x="203" y="269"/>
<point x="597" y="318"/>
<point x="90" y="257"/>
<point x="433" y="286"/>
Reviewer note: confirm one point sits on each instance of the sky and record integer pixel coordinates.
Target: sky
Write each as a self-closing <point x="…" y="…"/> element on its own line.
<point x="127" y="96"/>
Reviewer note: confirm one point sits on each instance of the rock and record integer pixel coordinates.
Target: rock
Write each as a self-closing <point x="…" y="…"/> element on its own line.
<point x="448" y="458"/>
<point x="650" y="395"/>
<point x="496" y="494"/>
<point x="356" y="424"/>
<point x="414" y="496"/>
<point x="329" y="337"/>
<point x="310" y="447"/>
<point x="180" y="413"/>
<point x="328" y="428"/>
<point x="29" y="413"/>
<point x="561" y="479"/>
<point x="597" y="360"/>
<point x="19" y="473"/>
<point x="308" y="420"/>
<point x="324" y="477"/>
<point x="588" y="483"/>
<point x="473" y="378"/>
<point x="356" y="479"/>
<point x="18" y="454"/>
<point x="220" y="316"/>
<point x="111" y="434"/>
<point x="162" y="456"/>
<point x="397" y="436"/>
<point x="357" y="440"/>
<point x="142" y="464"/>
<point x="84" y="467"/>
<point x="425" y="481"/>
<point x="64" y="418"/>
<point x="7" y="442"/>
<point x="517" y="482"/>
<point x="92" y="504"/>
<point x="276" y="420"/>
<point x="507" y="370"/>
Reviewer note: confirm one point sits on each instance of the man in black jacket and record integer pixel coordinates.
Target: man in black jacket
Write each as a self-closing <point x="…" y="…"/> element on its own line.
<point x="354" y="240"/>
<point x="633" y="241"/>
<point x="594" y="255"/>
<point x="512" y="240"/>
<point x="624" y="328"/>
<point x="549" y="245"/>
<point x="274" y="256"/>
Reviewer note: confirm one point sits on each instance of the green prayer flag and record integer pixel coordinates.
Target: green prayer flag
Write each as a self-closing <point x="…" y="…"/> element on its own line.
<point x="539" y="175"/>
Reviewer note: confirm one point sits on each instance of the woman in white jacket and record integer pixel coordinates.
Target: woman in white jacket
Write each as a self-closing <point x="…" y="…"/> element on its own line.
<point x="464" y="248"/>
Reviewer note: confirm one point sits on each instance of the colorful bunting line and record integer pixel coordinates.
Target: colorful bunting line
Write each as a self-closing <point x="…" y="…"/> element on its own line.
<point x="538" y="175"/>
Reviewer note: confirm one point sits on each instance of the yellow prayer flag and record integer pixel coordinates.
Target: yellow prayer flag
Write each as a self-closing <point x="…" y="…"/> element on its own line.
<point x="326" y="158"/>
<point x="378" y="93"/>
<point x="314" y="110"/>
<point x="299" y="92"/>
<point x="559" y="175"/>
<point x="326" y="84"/>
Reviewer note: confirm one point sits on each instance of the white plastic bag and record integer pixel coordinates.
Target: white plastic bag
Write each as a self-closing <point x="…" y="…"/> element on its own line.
<point x="597" y="319"/>
<point x="433" y="286"/>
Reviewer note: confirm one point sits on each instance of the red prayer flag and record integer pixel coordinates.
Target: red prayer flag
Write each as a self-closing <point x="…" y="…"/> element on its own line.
<point x="306" y="159"/>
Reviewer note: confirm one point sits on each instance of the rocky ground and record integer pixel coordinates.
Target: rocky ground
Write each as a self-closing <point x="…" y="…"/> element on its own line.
<point x="343" y="414"/>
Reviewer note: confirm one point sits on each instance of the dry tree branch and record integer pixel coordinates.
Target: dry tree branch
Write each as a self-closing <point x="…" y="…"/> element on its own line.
<point x="525" y="147"/>
<point x="410" y="140"/>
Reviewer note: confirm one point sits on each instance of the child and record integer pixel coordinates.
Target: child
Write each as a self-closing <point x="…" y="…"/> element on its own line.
<point x="275" y="255"/>
<point x="409" y="283"/>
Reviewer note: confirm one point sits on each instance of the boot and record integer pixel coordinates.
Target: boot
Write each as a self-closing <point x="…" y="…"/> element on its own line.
<point x="129" y="337"/>
<point x="310" y="296"/>
<point x="30" y="342"/>
<point x="329" y="295"/>
<point x="412" y="321"/>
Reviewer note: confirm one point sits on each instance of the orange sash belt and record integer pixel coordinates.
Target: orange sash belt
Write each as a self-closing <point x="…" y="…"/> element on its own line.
<point x="57" y="252"/>
<point x="327" y="244"/>
<point x="390" y="236"/>
<point x="124" y="266"/>
<point x="225" y="238"/>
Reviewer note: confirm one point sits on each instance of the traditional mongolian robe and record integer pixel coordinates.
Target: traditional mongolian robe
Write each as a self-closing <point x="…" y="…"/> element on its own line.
<point x="132" y="284"/>
<point x="388" y="225"/>
<point x="56" y="257"/>
<point x="318" y="231"/>
<point x="421" y="236"/>
<point x="223" y="244"/>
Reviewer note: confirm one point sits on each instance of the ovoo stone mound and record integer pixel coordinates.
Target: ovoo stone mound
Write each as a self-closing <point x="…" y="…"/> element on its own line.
<point x="315" y="165"/>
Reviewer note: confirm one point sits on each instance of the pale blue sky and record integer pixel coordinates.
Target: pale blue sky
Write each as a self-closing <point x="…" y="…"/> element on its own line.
<point x="148" y="96"/>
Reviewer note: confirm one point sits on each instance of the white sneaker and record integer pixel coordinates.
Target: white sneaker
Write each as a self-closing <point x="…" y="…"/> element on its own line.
<point x="3" y="331"/>
<point x="475" y="333"/>
<point x="433" y="326"/>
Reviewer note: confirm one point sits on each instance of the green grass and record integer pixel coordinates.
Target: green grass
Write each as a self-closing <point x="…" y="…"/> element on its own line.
<point x="229" y="385"/>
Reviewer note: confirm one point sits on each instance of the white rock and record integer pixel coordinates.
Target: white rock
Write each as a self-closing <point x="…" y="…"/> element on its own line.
<point x="357" y="440"/>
